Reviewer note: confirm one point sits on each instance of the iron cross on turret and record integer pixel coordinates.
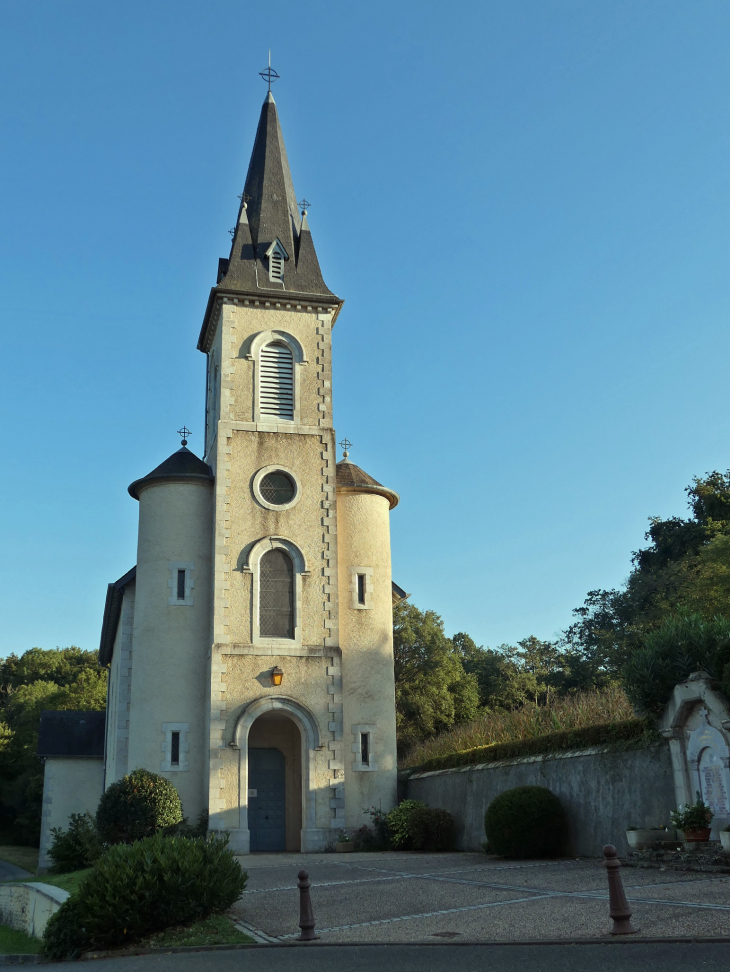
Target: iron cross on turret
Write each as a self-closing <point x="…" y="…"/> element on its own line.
<point x="269" y="74"/>
<point x="184" y="434"/>
<point x="345" y="445"/>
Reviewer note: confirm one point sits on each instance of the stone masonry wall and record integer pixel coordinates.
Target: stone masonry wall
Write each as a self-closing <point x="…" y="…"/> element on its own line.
<point x="603" y="793"/>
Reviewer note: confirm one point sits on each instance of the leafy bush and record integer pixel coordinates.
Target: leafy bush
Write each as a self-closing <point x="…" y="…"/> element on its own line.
<point x="75" y="848"/>
<point x="377" y="837"/>
<point x="670" y="654"/>
<point x="399" y="824"/>
<point x="527" y="821"/>
<point x="431" y="829"/>
<point x="140" y="888"/>
<point x="692" y="816"/>
<point x="137" y="806"/>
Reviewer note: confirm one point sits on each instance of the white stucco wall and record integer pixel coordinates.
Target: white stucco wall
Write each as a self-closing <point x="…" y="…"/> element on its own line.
<point x="70" y="785"/>
<point x="366" y="640"/>
<point x="169" y="681"/>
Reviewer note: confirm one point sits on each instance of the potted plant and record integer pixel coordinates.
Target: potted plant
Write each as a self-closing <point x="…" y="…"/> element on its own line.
<point x="641" y="838"/>
<point x="345" y="844"/>
<point x="694" y="820"/>
<point x="725" y="838"/>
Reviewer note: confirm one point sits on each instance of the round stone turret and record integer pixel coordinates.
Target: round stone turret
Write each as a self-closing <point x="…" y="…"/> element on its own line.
<point x="167" y="720"/>
<point x="366" y="638"/>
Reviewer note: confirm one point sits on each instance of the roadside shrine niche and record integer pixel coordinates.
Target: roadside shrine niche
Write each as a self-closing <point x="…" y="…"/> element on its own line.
<point x="696" y="723"/>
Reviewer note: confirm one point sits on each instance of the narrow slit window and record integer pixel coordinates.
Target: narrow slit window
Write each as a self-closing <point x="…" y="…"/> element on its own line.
<point x="175" y="748"/>
<point x="361" y="588"/>
<point x="365" y="748"/>
<point x="181" y="586"/>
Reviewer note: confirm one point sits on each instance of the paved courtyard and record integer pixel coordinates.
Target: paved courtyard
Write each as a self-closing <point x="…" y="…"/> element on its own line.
<point x="395" y="897"/>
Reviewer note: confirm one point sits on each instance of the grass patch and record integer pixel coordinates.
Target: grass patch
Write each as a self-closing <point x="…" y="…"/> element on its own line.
<point x="26" y="857"/>
<point x="628" y="734"/>
<point x="216" y="930"/>
<point x="14" y="942"/>
<point x="576" y="711"/>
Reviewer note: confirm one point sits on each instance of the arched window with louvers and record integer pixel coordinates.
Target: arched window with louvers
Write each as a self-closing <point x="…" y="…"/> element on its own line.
<point x="276" y="382"/>
<point x="276" y="595"/>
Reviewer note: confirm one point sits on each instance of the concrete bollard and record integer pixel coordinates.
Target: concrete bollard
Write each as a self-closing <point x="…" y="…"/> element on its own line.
<point x="306" y="915"/>
<point x="618" y="906"/>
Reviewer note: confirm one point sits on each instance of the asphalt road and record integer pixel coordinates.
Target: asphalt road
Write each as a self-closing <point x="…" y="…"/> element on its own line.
<point x="614" y="957"/>
<point x="11" y="872"/>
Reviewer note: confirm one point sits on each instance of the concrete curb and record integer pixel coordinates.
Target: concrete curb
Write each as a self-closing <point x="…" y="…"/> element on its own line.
<point x="633" y="940"/>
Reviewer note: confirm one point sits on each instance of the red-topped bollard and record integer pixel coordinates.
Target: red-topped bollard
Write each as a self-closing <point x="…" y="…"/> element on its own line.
<point x="306" y="915"/>
<point x="618" y="906"/>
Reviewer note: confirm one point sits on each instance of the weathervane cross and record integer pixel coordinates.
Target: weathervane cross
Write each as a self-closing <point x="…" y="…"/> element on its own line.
<point x="345" y="445"/>
<point x="269" y="74"/>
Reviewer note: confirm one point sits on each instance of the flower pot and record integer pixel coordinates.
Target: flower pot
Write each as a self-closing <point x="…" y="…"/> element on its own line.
<point x="699" y="836"/>
<point x="345" y="846"/>
<point x="725" y="839"/>
<point x="643" y="839"/>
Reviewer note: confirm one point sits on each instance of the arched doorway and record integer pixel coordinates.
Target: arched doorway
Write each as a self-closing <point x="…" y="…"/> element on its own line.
<point x="274" y="783"/>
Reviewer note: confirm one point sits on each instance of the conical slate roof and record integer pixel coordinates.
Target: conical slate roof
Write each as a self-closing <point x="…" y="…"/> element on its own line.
<point x="353" y="479"/>
<point x="182" y="466"/>
<point x="269" y="212"/>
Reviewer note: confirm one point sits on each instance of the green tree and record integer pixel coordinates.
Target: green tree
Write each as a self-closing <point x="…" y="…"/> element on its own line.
<point x="64" y="678"/>
<point x="685" y="567"/>
<point x="432" y="689"/>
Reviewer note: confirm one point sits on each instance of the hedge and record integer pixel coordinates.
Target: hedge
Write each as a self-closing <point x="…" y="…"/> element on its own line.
<point x="631" y="733"/>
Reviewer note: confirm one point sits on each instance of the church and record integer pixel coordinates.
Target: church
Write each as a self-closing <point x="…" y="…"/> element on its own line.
<point x="250" y="650"/>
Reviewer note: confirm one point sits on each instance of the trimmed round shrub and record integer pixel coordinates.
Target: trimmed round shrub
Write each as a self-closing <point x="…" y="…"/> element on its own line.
<point x="399" y="824"/>
<point x="140" y="888"/>
<point x="432" y="829"/>
<point x="137" y="806"/>
<point x="75" y="848"/>
<point x="527" y="821"/>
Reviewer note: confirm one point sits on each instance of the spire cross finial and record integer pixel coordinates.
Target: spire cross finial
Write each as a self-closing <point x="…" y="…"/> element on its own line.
<point x="185" y="433"/>
<point x="304" y="205"/>
<point x="269" y="74"/>
<point x="345" y="445"/>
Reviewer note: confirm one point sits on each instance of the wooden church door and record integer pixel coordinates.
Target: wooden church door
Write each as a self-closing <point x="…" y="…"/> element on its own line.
<point x="266" y="800"/>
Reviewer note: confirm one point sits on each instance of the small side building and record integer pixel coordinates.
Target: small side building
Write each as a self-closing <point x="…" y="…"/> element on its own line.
<point x="71" y="744"/>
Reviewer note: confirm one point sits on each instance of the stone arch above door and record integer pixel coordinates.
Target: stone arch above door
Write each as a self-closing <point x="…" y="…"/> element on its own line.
<point x="313" y="838"/>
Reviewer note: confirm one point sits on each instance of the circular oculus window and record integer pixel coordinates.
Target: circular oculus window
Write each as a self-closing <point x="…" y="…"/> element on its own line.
<point x="275" y="488"/>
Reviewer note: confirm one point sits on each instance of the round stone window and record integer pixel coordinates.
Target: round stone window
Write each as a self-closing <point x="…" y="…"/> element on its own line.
<point x="276" y="488"/>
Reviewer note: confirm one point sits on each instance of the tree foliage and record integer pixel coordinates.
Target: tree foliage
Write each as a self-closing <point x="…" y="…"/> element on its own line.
<point x="432" y="690"/>
<point x="62" y="678"/>
<point x="671" y="653"/>
<point x="684" y="569"/>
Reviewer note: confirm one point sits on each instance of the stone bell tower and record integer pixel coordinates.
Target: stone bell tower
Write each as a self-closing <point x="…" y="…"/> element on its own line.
<point x="277" y="663"/>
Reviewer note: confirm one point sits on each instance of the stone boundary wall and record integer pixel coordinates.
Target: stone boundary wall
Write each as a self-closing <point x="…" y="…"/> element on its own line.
<point x="27" y="907"/>
<point x="603" y="791"/>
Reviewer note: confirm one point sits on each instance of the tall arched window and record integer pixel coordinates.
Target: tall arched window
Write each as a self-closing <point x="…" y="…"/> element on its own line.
<point x="276" y="595"/>
<point x="276" y="381"/>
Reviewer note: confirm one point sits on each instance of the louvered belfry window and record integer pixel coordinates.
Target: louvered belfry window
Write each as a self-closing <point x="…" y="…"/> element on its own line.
<point x="276" y="595"/>
<point x="276" y="381"/>
<point x="276" y="264"/>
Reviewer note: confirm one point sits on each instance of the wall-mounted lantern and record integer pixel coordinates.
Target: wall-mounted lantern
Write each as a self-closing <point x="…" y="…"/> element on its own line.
<point x="277" y="676"/>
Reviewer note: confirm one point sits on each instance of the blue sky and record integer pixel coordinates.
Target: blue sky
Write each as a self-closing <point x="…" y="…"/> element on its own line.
<point x="525" y="205"/>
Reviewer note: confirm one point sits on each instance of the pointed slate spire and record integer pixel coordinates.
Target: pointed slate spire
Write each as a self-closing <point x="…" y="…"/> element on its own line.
<point x="269" y="212"/>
